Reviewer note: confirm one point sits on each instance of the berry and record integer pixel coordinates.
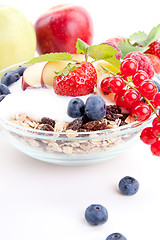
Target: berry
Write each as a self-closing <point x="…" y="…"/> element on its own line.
<point x="4" y="90"/>
<point x="157" y="85"/>
<point x="157" y="99"/>
<point x="113" y="44"/>
<point x="141" y="111"/>
<point x="10" y="77"/>
<point x="156" y="129"/>
<point x="78" y="82"/>
<point x="117" y="40"/>
<point x="139" y="77"/>
<point x="116" y="236"/>
<point x="155" y="148"/>
<point x="143" y="62"/>
<point x="128" y="185"/>
<point x="154" y="48"/>
<point x="95" y="108"/>
<point x="112" y="84"/>
<point x="96" y="214"/>
<point x="21" y="70"/>
<point x="148" y="89"/>
<point x="2" y="97"/>
<point x="155" y="61"/>
<point x="127" y="98"/>
<point x="128" y="67"/>
<point x="75" y="108"/>
<point x="147" y="136"/>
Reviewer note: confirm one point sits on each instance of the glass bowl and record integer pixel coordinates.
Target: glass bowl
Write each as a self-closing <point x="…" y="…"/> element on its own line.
<point x="72" y="148"/>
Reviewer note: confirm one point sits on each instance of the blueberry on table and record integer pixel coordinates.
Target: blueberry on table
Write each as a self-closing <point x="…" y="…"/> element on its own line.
<point x="4" y="90"/>
<point x="75" y="108"/>
<point x="117" y="236"/>
<point x="95" y="108"/>
<point x="10" y="77"/>
<point x="21" y="70"/>
<point x="128" y="185"/>
<point x="96" y="214"/>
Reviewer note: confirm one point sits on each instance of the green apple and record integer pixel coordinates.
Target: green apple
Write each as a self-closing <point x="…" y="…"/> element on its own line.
<point x="17" y="37"/>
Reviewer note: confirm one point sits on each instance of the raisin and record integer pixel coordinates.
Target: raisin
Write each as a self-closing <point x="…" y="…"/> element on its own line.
<point x="47" y="127"/>
<point x="75" y="125"/>
<point x="94" y="126"/>
<point x="48" y="121"/>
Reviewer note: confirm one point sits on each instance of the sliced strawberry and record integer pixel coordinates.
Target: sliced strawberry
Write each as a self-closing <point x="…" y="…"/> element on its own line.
<point x="155" y="61"/>
<point x="78" y="82"/>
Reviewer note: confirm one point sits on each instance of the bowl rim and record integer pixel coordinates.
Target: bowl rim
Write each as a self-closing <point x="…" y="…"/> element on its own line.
<point x="127" y="128"/>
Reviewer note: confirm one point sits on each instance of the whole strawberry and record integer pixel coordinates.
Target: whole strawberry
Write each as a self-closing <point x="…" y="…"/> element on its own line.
<point x="77" y="82"/>
<point x="154" y="49"/>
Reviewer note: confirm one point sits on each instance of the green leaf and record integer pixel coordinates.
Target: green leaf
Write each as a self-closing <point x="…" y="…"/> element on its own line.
<point x="102" y="51"/>
<point x="81" y="46"/>
<point x="153" y="35"/>
<point x="139" y="37"/>
<point x="126" y="48"/>
<point x="51" y="57"/>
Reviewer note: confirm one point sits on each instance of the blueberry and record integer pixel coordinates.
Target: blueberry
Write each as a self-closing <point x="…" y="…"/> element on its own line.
<point x="10" y="77"/>
<point x="128" y="185"/>
<point x="4" y="90"/>
<point x="21" y="70"/>
<point x="75" y="108"/>
<point x="96" y="214"/>
<point x="95" y="108"/>
<point x="2" y="97"/>
<point x="116" y="236"/>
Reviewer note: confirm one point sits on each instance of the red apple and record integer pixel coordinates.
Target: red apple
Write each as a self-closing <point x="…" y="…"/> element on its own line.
<point x="57" y="30"/>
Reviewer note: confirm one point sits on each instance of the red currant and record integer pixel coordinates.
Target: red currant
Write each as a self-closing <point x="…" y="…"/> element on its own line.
<point x="119" y="99"/>
<point x="155" y="120"/>
<point x="139" y="77"/>
<point x="147" y="135"/>
<point x="148" y="89"/>
<point x="112" y="84"/>
<point x="157" y="99"/>
<point x="156" y="129"/>
<point x="128" y="67"/>
<point x="131" y="97"/>
<point x="155" y="148"/>
<point x="141" y="112"/>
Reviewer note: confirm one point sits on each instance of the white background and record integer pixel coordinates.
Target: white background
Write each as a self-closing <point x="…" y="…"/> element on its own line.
<point x="40" y="201"/>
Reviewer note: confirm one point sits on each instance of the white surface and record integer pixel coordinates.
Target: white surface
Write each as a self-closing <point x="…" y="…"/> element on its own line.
<point x="41" y="201"/>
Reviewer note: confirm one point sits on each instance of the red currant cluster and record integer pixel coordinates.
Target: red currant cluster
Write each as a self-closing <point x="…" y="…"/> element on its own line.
<point x="137" y="93"/>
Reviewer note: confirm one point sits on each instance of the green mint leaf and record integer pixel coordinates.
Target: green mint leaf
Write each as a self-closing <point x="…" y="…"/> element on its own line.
<point x="102" y="51"/>
<point x="126" y="48"/>
<point x="51" y="57"/>
<point x="139" y="38"/>
<point x="153" y="35"/>
<point x="81" y="46"/>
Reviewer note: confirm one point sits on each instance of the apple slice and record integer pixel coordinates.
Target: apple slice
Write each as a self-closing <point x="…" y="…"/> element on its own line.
<point x="48" y="72"/>
<point x="32" y="75"/>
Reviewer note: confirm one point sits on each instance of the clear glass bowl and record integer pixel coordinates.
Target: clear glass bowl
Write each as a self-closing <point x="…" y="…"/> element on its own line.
<point x="72" y="148"/>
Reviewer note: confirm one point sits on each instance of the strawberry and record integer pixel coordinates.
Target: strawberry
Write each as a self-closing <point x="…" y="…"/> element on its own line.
<point x="154" y="49"/>
<point x="77" y="82"/>
<point x="155" y="61"/>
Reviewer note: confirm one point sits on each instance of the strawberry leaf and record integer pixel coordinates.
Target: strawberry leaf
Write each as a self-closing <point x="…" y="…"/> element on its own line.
<point x="51" y="57"/>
